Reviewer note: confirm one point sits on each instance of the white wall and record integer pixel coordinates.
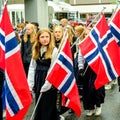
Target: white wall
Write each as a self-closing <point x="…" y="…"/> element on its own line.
<point x="94" y="8"/>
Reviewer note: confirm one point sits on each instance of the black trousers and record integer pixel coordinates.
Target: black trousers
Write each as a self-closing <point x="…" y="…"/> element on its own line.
<point x="26" y="68"/>
<point x="1" y="87"/>
<point x="46" y="109"/>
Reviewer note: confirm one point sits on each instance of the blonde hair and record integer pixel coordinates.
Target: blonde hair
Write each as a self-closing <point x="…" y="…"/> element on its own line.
<point x="64" y="20"/>
<point x="37" y="45"/>
<point x="79" y="29"/>
<point x="32" y="35"/>
<point x="18" y="37"/>
<point x="71" y="34"/>
<point x="58" y="27"/>
<point x="87" y="30"/>
<point x="21" y="25"/>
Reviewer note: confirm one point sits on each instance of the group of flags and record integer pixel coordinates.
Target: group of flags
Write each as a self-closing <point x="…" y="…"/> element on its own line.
<point x="17" y="96"/>
<point x="101" y="49"/>
<point x="61" y="75"/>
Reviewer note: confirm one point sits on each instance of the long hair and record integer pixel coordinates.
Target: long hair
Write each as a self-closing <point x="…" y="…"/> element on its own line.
<point x="32" y="35"/>
<point x="37" y="45"/>
<point x="70" y="34"/>
<point x="80" y="29"/>
<point x="57" y="28"/>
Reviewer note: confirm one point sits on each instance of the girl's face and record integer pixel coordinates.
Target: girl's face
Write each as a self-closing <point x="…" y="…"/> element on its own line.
<point x="19" y="28"/>
<point x="29" y="30"/>
<point x="44" y="39"/>
<point x="58" y="33"/>
<point x="76" y="33"/>
<point x="86" y="32"/>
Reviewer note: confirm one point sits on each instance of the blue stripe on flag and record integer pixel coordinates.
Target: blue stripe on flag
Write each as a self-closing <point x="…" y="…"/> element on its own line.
<point x="2" y="39"/>
<point x="11" y="44"/>
<point x="11" y="101"/>
<point x="100" y="49"/>
<point x="71" y="77"/>
<point x="115" y="33"/>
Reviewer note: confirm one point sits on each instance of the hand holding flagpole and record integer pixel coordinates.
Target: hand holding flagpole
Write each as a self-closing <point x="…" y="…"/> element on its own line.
<point x="59" y="49"/>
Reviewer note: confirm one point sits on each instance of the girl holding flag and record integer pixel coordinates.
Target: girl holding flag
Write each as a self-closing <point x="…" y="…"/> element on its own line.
<point x="44" y="53"/>
<point x="92" y="98"/>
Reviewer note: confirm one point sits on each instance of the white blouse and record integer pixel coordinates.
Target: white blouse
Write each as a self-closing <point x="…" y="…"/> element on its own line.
<point x="32" y="67"/>
<point x="81" y="60"/>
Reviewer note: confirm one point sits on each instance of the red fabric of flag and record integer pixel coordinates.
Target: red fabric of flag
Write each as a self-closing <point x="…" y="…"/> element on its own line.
<point x="17" y="94"/>
<point x="100" y="50"/>
<point x="61" y="75"/>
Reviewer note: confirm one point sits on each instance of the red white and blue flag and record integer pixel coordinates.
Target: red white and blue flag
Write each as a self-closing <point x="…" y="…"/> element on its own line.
<point x="61" y="75"/>
<point x="100" y="50"/>
<point x="115" y="26"/>
<point x="17" y="94"/>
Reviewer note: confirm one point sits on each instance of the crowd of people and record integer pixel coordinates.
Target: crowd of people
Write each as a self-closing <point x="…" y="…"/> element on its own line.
<point x="39" y="48"/>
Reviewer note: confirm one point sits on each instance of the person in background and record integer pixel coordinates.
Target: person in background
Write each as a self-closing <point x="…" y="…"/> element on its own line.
<point x="92" y="98"/>
<point x="78" y="34"/>
<point x="26" y="45"/>
<point x="55" y="23"/>
<point x="44" y="54"/>
<point x="58" y="34"/>
<point x="50" y="26"/>
<point x="36" y="26"/>
<point x="18" y="38"/>
<point x="64" y="22"/>
<point x="79" y="31"/>
<point x="20" y="29"/>
<point x="86" y="32"/>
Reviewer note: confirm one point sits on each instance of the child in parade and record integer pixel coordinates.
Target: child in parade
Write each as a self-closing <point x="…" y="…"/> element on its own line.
<point x="26" y="45"/>
<point x="43" y="55"/>
<point x="58" y="35"/>
<point x="92" y="98"/>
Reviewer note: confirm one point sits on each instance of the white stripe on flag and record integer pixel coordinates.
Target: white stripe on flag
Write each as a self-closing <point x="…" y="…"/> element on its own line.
<point x="13" y="92"/>
<point x="2" y="46"/>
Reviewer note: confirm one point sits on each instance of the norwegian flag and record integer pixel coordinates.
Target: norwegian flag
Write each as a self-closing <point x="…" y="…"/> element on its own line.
<point x="115" y="26"/>
<point x="100" y="50"/>
<point x="17" y="94"/>
<point x="61" y="75"/>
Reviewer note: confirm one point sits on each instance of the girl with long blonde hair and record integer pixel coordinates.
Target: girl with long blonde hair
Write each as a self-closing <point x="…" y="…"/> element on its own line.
<point x="38" y="45"/>
<point x="26" y="45"/>
<point x="43" y="56"/>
